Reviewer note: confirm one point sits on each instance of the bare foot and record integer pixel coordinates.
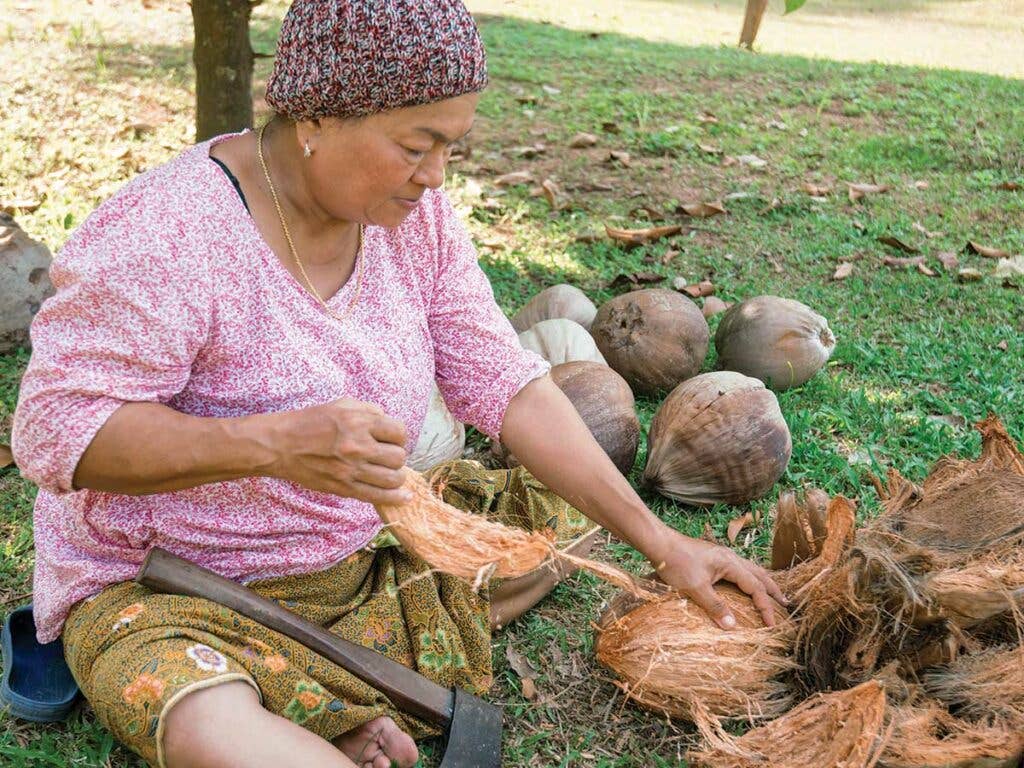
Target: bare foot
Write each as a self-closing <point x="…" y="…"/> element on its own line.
<point x="379" y="743"/>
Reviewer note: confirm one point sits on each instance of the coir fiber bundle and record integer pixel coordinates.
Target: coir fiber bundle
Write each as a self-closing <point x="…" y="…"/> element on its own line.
<point x="846" y="728"/>
<point x="671" y="657"/>
<point x="799" y="527"/>
<point x="927" y="736"/>
<point x="476" y="549"/>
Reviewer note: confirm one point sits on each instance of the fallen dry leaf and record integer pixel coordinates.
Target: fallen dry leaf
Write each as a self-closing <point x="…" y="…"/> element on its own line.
<point x="910" y="261"/>
<point x="615" y="156"/>
<point x="703" y="288"/>
<point x="775" y="203"/>
<point x="706" y="117"/>
<point x="917" y="226"/>
<point x="583" y="140"/>
<point x="776" y="264"/>
<point x="920" y="185"/>
<point x="610" y="127"/>
<point x="551" y="193"/>
<point x="925" y="270"/>
<point x="6" y="457"/>
<point x="633" y="237"/>
<point x="594" y="186"/>
<point x="521" y="665"/>
<point x="708" y="534"/>
<point x="858" y="191"/>
<point x="702" y="210"/>
<point x="709" y="149"/>
<point x="1008" y="186"/>
<point x="713" y="305"/>
<point x="728" y="160"/>
<point x="1003" y="345"/>
<point x="843" y="271"/>
<point x="817" y="190"/>
<point x="511" y="179"/>
<point x="652" y="214"/>
<point x="529" y="688"/>
<point x="14" y="207"/>
<point x="954" y="420"/>
<point x="984" y="250"/>
<point x="777" y="125"/>
<point x="969" y="275"/>
<point x="529" y="152"/>
<point x="899" y="245"/>
<point x="738" y="524"/>
<point x="670" y="254"/>
<point x="948" y="259"/>
<point x="635" y="279"/>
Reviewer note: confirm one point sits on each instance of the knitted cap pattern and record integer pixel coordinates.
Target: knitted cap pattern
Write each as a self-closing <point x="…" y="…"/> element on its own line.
<point x="347" y="58"/>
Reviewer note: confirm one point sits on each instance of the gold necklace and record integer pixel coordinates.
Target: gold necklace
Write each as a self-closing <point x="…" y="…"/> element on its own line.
<point x="291" y="245"/>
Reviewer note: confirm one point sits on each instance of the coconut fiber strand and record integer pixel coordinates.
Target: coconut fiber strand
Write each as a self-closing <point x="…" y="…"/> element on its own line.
<point x="671" y="657"/>
<point x="476" y="549"/>
<point x="990" y="682"/>
<point x="927" y="736"/>
<point x="845" y="729"/>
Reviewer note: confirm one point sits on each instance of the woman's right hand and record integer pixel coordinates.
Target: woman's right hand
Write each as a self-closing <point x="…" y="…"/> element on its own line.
<point x="346" y="447"/>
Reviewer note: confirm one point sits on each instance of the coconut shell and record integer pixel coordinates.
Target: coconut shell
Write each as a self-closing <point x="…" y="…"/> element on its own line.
<point x="719" y="437"/>
<point x="654" y="338"/>
<point x="846" y="728"/>
<point x="604" y="401"/>
<point x="562" y="300"/>
<point x="442" y="437"/>
<point x="799" y="527"/>
<point x="779" y="341"/>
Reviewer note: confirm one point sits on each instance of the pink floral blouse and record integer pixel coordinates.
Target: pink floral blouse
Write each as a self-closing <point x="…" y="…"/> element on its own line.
<point x="167" y="293"/>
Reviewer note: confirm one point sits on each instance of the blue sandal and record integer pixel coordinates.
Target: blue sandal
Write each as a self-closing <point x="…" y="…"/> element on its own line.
<point x="37" y="684"/>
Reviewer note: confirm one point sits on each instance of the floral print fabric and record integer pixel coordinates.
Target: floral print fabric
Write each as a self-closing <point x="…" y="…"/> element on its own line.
<point x="135" y="652"/>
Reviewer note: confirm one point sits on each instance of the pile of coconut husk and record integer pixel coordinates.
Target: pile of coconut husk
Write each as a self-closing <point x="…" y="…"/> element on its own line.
<point x="904" y="646"/>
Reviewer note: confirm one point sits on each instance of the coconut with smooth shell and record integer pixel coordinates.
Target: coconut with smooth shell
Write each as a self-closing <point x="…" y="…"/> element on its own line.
<point x="561" y="340"/>
<point x="561" y="300"/>
<point x="779" y="341"/>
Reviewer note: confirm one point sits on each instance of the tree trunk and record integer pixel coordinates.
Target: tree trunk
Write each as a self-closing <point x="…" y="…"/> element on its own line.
<point x="752" y="21"/>
<point x="223" y="59"/>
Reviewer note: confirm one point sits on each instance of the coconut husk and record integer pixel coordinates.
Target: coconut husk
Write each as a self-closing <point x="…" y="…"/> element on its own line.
<point x="904" y="587"/>
<point x="963" y="505"/>
<point x="846" y="728"/>
<point x="925" y="735"/>
<point x="984" y="684"/>
<point x="800" y="527"/>
<point x="477" y="549"/>
<point x="672" y="658"/>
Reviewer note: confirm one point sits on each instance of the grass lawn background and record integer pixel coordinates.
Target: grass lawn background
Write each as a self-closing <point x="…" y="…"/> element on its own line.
<point x="95" y="93"/>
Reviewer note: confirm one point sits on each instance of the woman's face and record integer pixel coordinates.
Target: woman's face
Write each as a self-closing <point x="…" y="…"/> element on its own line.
<point x="373" y="170"/>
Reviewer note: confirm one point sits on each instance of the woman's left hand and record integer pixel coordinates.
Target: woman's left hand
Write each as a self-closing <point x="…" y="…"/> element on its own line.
<point x="693" y="566"/>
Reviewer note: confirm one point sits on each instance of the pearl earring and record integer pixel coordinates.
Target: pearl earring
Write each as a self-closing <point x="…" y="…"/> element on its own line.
<point x="307" y="151"/>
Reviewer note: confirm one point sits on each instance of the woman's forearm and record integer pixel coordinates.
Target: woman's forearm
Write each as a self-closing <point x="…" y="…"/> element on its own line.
<point x="149" y="448"/>
<point x="544" y="431"/>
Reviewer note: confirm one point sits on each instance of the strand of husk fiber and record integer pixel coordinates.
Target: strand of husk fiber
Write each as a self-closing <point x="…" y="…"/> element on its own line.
<point x="925" y="735"/>
<point x="846" y="728"/>
<point x="476" y="549"/>
<point x="990" y="682"/>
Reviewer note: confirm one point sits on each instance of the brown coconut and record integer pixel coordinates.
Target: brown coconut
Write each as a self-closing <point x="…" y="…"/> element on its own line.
<point x="719" y="437"/>
<point x="779" y="341"/>
<point x="846" y="728"/>
<point x="605" y="402"/>
<point x="655" y="338"/>
<point x="799" y="527"/>
<point x="671" y="657"/>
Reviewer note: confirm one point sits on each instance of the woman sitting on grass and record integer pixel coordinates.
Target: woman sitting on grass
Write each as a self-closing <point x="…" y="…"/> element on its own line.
<point x="238" y="357"/>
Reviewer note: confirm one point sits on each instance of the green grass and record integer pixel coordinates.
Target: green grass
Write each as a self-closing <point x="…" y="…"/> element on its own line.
<point x="910" y="347"/>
